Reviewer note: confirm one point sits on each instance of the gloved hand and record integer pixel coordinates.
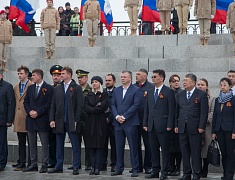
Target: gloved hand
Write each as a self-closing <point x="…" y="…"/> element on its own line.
<point x="57" y="31"/>
<point x="138" y="8"/>
<point x="212" y="16"/>
<point x="126" y="8"/>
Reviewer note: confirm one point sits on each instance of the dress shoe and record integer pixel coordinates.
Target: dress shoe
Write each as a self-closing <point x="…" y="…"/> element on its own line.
<point x="87" y="168"/>
<point x="185" y="177"/>
<point x="92" y="172"/>
<point x="43" y="169"/>
<point x="134" y="174"/>
<point x="148" y="171"/>
<point x="70" y="168"/>
<point x="51" y="166"/>
<point x="20" y="167"/>
<point x="162" y="177"/>
<point x="14" y="165"/>
<point x="116" y="173"/>
<point x="152" y="175"/>
<point x="103" y="168"/>
<point x="97" y="172"/>
<point x="75" y="172"/>
<point x="55" y="171"/>
<point x="1" y="169"/>
<point x="139" y="171"/>
<point x="113" y="168"/>
<point x="175" y="173"/>
<point x="30" y="168"/>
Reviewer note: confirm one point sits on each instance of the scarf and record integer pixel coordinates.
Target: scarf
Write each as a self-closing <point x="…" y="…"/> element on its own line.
<point x="225" y="97"/>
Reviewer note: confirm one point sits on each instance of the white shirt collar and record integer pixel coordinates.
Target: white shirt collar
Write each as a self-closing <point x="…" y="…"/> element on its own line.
<point x="191" y="92"/>
<point x="159" y="88"/>
<point x="68" y="82"/>
<point x="40" y="85"/>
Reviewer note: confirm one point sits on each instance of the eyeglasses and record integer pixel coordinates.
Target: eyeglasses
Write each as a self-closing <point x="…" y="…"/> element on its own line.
<point x="175" y="81"/>
<point x="154" y="77"/>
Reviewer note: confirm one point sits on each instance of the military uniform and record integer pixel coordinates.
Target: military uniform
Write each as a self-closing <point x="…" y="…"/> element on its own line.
<point x="230" y="22"/>
<point x="5" y="39"/>
<point x="81" y="73"/>
<point x="165" y="7"/>
<point x="133" y="7"/>
<point x="50" y="22"/>
<point x="204" y="10"/>
<point x="183" y="7"/>
<point x="91" y="13"/>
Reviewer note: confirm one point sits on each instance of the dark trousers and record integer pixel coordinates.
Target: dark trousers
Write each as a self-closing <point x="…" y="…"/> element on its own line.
<point x="95" y="156"/>
<point x="120" y="136"/>
<point x="157" y="140"/>
<point x="226" y="144"/>
<point x="60" y="138"/>
<point x="52" y="148"/>
<point x="175" y="161"/>
<point x="147" y="164"/>
<point x="22" y="138"/>
<point x="110" y="138"/>
<point x="3" y="146"/>
<point x="191" y="146"/>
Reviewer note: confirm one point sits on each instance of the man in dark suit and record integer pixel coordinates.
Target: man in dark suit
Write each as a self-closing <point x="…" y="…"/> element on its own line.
<point x="66" y="109"/>
<point x="110" y="137"/>
<point x="37" y="104"/>
<point x="7" y="113"/>
<point x="191" y="117"/>
<point x="158" y="121"/>
<point x="125" y="103"/>
<point x="144" y="85"/>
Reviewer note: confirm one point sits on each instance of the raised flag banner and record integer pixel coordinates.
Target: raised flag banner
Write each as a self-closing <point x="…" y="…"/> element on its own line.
<point x="23" y="11"/>
<point x="106" y="15"/>
<point x="221" y="11"/>
<point x="149" y="11"/>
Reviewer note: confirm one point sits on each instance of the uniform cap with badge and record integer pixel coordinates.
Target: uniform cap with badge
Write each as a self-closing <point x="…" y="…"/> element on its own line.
<point x="56" y="69"/>
<point x="80" y="73"/>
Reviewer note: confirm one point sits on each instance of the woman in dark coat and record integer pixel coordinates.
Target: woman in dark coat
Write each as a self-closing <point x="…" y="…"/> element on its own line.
<point x="223" y="126"/>
<point x="96" y="103"/>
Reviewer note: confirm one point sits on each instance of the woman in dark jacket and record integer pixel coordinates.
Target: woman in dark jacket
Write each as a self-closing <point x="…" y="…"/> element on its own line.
<point x="63" y="26"/>
<point x="223" y="126"/>
<point x="96" y="104"/>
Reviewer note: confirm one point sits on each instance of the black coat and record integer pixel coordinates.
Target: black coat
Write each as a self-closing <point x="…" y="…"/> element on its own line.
<point x="75" y="106"/>
<point x="41" y="104"/>
<point x="96" y="124"/>
<point x="7" y="103"/>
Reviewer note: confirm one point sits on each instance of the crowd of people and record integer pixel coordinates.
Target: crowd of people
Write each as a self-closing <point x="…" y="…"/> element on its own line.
<point x="180" y="122"/>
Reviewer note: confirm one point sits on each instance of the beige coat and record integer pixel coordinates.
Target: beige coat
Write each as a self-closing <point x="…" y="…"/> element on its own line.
<point x="230" y="21"/>
<point x="91" y="10"/>
<point x="132" y="2"/>
<point x="20" y="114"/>
<point x="165" y="5"/>
<point x="50" y="18"/>
<point x="183" y="2"/>
<point x="203" y="9"/>
<point x="5" y="31"/>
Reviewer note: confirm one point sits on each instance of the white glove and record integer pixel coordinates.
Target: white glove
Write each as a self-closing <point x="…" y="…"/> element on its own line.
<point x="126" y="8"/>
<point x="57" y="31"/>
<point x="212" y="16"/>
<point x="190" y="7"/>
<point x="138" y="8"/>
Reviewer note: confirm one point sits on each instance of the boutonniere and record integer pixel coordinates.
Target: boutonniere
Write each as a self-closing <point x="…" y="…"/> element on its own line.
<point x="228" y="104"/>
<point x="145" y="93"/>
<point x="71" y="88"/>
<point x="44" y="91"/>
<point x="196" y="100"/>
<point x="99" y="96"/>
<point x="160" y="96"/>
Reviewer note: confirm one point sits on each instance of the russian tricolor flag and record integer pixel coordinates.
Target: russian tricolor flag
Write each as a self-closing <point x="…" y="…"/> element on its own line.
<point x="106" y="15"/>
<point x="221" y="11"/>
<point x="23" y="11"/>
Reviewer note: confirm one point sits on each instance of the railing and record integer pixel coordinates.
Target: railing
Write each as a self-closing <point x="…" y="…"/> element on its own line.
<point x="121" y="28"/>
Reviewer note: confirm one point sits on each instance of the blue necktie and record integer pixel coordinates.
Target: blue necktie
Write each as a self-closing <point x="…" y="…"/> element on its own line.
<point x="21" y="89"/>
<point x="189" y="95"/>
<point x="156" y="95"/>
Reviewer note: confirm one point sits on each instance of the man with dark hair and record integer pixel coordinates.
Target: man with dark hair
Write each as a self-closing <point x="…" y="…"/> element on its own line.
<point x="20" y="90"/>
<point x="125" y="103"/>
<point x="66" y="109"/>
<point x="37" y="104"/>
<point x="231" y="76"/>
<point x="158" y="121"/>
<point x="110" y="137"/>
<point x="144" y="85"/>
<point x="68" y="13"/>
<point x="191" y="117"/>
<point x="7" y="113"/>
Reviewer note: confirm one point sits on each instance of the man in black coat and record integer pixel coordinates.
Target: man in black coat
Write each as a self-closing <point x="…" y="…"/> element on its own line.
<point x="144" y="85"/>
<point x="65" y="113"/>
<point x="37" y="104"/>
<point x="7" y="113"/>
<point x="158" y="121"/>
<point x="191" y="117"/>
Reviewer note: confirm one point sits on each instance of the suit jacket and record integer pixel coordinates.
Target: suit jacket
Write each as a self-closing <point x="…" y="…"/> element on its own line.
<point x="160" y="115"/>
<point x="126" y="106"/>
<point x="144" y="88"/>
<point x="41" y="104"/>
<point x="75" y="106"/>
<point x="194" y="112"/>
<point x="225" y="119"/>
<point x="20" y="114"/>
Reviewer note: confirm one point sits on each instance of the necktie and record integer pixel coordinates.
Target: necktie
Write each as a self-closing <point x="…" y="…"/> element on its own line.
<point x="189" y="95"/>
<point x="36" y="91"/>
<point x="140" y="85"/>
<point x="156" y="95"/>
<point x="21" y="89"/>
